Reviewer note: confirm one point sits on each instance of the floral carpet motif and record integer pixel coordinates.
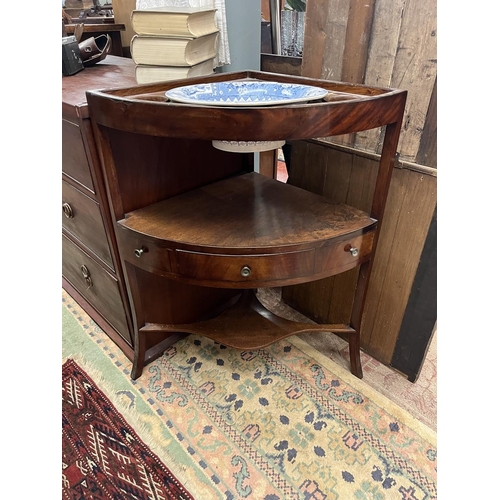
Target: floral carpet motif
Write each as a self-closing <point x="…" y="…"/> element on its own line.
<point x="278" y="423"/>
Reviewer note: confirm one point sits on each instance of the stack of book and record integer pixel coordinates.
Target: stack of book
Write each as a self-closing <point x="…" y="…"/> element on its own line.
<point x="173" y="42"/>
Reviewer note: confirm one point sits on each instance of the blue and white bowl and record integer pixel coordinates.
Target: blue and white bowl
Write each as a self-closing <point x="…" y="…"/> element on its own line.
<point x="245" y="93"/>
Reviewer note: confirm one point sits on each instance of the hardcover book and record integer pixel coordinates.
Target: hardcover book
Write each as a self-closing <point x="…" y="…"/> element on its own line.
<point x="151" y="74"/>
<point x="173" y="51"/>
<point x="190" y="22"/>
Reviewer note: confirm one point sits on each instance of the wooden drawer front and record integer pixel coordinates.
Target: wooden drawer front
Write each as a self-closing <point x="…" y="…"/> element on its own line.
<point x="152" y="258"/>
<point x="213" y="269"/>
<point x="100" y="289"/>
<point x="243" y="269"/>
<point x="74" y="158"/>
<point x="336" y="258"/>
<point x="81" y="216"/>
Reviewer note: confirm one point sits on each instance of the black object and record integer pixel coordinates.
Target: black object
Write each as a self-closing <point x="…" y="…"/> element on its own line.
<point x="287" y="154"/>
<point x="421" y="311"/>
<point x="71" y="59"/>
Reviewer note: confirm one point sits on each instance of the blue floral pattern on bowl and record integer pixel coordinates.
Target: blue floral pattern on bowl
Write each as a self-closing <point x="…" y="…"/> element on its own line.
<point x="245" y="93"/>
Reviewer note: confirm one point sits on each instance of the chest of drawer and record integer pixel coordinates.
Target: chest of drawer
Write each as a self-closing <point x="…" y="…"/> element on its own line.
<point x="74" y="158"/>
<point x="96" y="285"/>
<point x="81" y="216"/>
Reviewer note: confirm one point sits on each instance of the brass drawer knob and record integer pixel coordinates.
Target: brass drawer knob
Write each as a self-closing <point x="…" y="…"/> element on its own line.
<point x="68" y="211"/>
<point x="139" y="251"/>
<point x="354" y="251"/>
<point x="245" y="271"/>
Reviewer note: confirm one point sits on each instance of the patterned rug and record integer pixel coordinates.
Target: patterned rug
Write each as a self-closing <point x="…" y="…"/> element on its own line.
<point x="418" y="398"/>
<point x="283" y="422"/>
<point x="102" y="455"/>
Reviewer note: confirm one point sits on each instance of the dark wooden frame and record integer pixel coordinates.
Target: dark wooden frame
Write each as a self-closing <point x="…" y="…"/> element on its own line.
<point x="146" y="142"/>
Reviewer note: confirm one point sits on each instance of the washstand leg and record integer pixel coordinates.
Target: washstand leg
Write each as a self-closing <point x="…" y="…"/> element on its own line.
<point x="139" y="355"/>
<point x="357" y="312"/>
<point x="355" y="354"/>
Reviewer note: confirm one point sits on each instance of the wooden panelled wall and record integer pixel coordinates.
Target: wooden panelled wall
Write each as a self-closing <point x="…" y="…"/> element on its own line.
<point x="390" y="43"/>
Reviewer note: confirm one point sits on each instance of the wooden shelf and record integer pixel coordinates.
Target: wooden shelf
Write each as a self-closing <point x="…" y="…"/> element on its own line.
<point x="246" y="231"/>
<point x="246" y="324"/>
<point x="247" y="214"/>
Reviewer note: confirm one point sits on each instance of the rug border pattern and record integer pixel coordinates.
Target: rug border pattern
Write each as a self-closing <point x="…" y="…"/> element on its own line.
<point x="122" y="363"/>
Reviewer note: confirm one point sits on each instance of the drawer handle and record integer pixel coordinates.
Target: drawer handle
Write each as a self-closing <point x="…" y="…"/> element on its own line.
<point x="245" y="271"/>
<point x="139" y="251"/>
<point x="353" y="250"/>
<point x="85" y="271"/>
<point x="68" y="211"/>
<point x="86" y="275"/>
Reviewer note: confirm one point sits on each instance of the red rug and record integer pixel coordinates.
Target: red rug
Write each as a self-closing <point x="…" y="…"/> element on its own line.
<point x="102" y="457"/>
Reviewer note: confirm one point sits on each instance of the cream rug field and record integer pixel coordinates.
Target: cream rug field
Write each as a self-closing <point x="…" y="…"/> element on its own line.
<point x="419" y="398"/>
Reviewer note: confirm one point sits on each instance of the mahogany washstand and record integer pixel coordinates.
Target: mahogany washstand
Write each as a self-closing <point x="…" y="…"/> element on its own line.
<point x="199" y="231"/>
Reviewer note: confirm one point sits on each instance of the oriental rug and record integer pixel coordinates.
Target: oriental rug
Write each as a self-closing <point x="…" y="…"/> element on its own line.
<point x="102" y="456"/>
<point x="283" y="422"/>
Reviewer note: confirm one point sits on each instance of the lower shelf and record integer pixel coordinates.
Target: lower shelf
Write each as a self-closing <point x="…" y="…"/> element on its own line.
<point x="245" y="325"/>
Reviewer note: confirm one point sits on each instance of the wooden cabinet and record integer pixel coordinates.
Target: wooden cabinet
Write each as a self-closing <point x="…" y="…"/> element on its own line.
<point x="91" y="271"/>
<point x="198" y="230"/>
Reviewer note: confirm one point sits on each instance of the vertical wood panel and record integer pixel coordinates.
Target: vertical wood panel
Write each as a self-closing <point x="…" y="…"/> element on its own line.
<point x="314" y="37"/>
<point x="427" y="151"/>
<point x="311" y="178"/>
<point x="410" y="206"/>
<point x="381" y="58"/>
<point x="358" y="34"/>
<point x="336" y="28"/>
<point x="386" y="29"/>
<point x="362" y="183"/>
<point x="333" y="58"/>
<point x="415" y="69"/>
<point x="395" y="199"/>
<point x="338" y="174"/>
